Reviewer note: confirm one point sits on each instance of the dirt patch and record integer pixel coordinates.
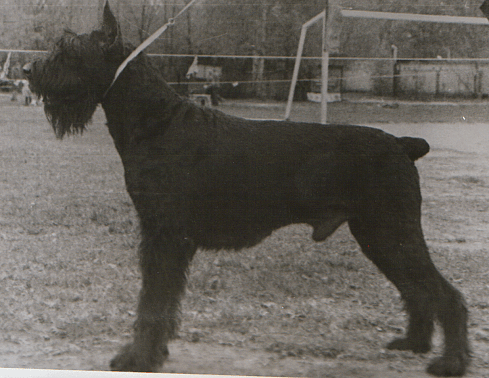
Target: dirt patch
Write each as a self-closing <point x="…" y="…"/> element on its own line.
<point x="288" y="307"/>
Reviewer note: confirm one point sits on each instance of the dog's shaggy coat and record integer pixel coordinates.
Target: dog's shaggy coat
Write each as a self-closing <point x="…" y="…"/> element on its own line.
<point x="202" y="179"/>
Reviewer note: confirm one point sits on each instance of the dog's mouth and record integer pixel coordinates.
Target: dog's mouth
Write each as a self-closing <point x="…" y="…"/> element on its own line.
<point x="61" y="99"/>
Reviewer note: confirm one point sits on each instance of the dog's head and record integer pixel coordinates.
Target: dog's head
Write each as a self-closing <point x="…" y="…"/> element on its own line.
<point x="73" y="78"/>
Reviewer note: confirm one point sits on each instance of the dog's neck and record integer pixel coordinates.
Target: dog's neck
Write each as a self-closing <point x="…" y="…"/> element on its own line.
<point x="142" y="88"/>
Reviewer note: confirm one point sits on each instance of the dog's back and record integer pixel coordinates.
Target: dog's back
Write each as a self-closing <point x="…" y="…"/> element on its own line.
<point x="415" y="147"/>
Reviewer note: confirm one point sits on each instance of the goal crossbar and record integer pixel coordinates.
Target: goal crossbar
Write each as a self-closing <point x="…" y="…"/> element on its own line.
<point x="414" y="17"/>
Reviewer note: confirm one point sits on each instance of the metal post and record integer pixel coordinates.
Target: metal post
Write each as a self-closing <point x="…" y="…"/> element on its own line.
<point x="324" y="69"/>
<point x="396" y="70"/>
<point x="295" y="75"/>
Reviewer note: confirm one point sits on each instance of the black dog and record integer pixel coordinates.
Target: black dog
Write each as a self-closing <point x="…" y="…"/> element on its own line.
<point x="202" y="179"/>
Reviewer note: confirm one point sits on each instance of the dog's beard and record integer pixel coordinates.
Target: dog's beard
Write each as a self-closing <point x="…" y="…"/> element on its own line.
<point x="69" y="115"/>
<point x="69" y="102"/>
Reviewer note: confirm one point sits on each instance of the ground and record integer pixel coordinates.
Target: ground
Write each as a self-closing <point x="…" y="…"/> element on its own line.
<point x="288" y="307"/>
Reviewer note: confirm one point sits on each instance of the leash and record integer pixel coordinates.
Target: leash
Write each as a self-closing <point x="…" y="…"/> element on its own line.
<point x="146" y="43"/>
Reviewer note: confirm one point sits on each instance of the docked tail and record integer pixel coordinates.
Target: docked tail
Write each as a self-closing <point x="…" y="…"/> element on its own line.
<point x="415" y="147"/>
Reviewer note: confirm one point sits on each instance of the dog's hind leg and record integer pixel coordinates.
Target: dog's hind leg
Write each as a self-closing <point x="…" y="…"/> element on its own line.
<point x="402" y="265"/>
<point x="427" y="295"/>
<point x="388" y="229"/>
<point x="325" y="227"/>
<point x="164" y="260"/>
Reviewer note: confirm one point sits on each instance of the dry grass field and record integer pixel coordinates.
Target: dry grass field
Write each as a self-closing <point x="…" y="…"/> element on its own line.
<point x="291" y="307"/>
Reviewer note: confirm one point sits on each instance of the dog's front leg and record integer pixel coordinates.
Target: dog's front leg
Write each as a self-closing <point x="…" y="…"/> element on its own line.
<point x="164" y="260"/>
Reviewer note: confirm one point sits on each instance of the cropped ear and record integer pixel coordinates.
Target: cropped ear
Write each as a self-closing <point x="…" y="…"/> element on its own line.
<point x="110" y="27"/>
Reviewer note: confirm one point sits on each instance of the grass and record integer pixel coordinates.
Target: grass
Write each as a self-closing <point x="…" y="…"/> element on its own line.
<point x="69" y="275"/>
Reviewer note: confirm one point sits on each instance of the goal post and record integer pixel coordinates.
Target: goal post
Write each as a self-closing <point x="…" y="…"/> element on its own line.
<point x="324" y="72"/>
<point x="348" y="13"/>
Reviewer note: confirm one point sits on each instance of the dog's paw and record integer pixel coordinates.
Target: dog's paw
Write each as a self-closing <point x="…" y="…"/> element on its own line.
<point x="409" y="344"/>
<point x="448" y="366"/>
<point x="131" y="358"/>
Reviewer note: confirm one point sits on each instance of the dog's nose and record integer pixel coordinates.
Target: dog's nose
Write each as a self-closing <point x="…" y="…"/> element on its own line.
<point x="27" y="69"/>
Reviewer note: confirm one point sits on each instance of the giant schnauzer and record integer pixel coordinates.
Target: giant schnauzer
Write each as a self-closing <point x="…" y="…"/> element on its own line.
<point x="201" y="179"/>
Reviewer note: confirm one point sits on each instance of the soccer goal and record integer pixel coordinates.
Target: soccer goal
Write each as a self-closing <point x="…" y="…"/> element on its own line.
<point x="324" y="16"/>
